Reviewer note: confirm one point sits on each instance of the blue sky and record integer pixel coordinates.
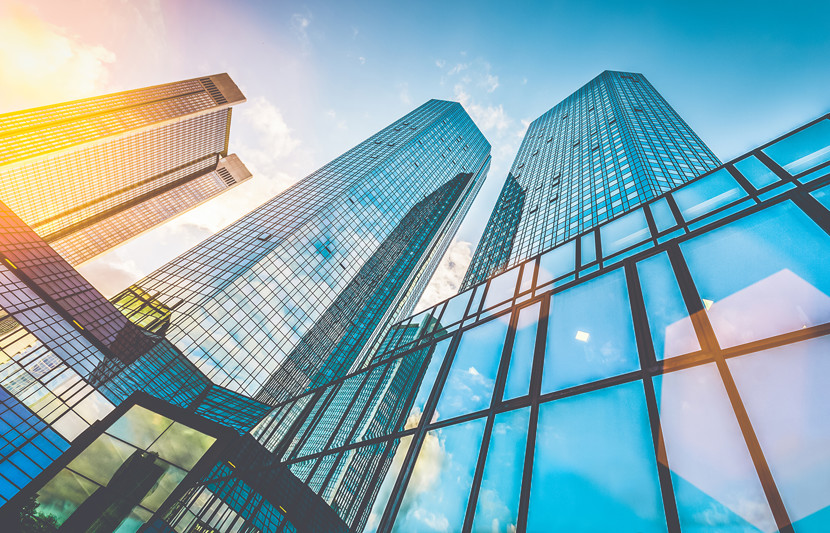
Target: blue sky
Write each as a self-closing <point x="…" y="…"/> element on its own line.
<point x="322" y="76"/>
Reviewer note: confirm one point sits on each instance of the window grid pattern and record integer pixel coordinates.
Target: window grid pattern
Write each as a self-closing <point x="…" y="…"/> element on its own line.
<point x="610" y="146"/>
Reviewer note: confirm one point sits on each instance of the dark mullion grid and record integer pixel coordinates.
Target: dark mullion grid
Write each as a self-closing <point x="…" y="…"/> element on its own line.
<point x="813" y="208"/>
<point x="533" y="396"/>
<point x="498" y="392"/>
<point x="687" y="287"/>
<point x="743" y="182"/>
<point x="396" y="496"/>
<point x="777" y="169"/>
<point x="645" y="348"/>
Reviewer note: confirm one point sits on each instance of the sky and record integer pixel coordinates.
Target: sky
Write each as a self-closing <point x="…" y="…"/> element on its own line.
<point x="322" y="76"/>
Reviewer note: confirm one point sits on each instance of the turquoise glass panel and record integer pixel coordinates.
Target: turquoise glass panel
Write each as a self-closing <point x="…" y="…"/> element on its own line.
<point x="671" y="329"/>
<point x="455" y="308"/>
<point x="594" y="467"/>
<point x="624" y="232"/>
<point x="469" y="385"/>
<point x="501" y="288"/>
<point x="437" y="493"/>
<point x="822" y="195"/>
<point x="762" y="275"/>
<point x="662" y="214"/>
<point x="804" y="150"/>
<point x="388" y="484"/>
<point x="556" y="263"/>
<point x="756" y="172"/>
<point x="715" y="484"/>
<point x="501" y="482"/>
<point x="786" y="392"/>
<point x="521" y="357"/>
<point x="715" y="190"/>
<point x="588" y="249"/>
<point x="590" y="334"/>
<point x="434" y="366"/>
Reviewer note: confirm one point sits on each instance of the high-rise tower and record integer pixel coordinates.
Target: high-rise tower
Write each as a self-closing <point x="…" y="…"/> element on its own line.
<point x="294" y="293"/>
<point x="90" y="174"/>
<point x="607" y="148"/>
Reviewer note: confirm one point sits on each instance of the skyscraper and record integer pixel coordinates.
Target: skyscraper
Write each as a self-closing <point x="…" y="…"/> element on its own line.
<point x="296" y="292"/>
<point x="90" y="174"/>
<point x="607" y="148"/>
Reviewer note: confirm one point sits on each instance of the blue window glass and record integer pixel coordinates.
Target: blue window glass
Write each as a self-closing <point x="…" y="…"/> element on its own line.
<point x="663" y="216"/>
<point x="594" y="467"/>
<point x="501" y="482"/>
<point x="671" y="328"/>
<point x="469" y="385"/>
<point x="590" y="334"/>
<point x="804" y="150"/>
<point x="588" y="249"/>
<point x="624" y="232"/>
<point x="762" y="275"/>
<point x="455" y="308"/>
<point x="556" y="263"/>
<point x="387" y="485"/>
<point x="756" y="172"/>
<point x="786" y="392"/>
<point x="521" y="356"/>
<point x="822" y="195"/>
<point x="437" y="493"/>
<point x="437" y="358"/>
<point x="527" y="276"/>
<point x="715" y="483"/>
<point x="501" y="288"/>
<point x="715" y="190"/>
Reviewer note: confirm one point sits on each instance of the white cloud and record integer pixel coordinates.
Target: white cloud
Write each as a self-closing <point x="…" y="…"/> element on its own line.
<point x="299" y="25"/>
<point x="403" y="93"/>
<point x="489" y="118"/>
<point x="362" y="60"/>
<point x="458" y="68"/>
<point x="490" y="82"/>
<point x="43" y="63"/>
<point x="448" y="276"/>
<point x="440" y="63"/>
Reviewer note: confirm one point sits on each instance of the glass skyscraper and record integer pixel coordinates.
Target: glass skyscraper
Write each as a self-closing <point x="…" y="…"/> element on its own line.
<point x="607" y="148"/>
<point x="90" y="174"/>
<point x="295" y="293"/>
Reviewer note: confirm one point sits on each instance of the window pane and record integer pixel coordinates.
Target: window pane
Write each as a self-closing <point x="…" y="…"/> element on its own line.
<point x="762" y="275"/>
<point x="663" y="217"/>
<point x="139" y="426"/>
<point x="433" y="368"/>
<point x="469" y="385"/>
<point x="590" y="334"/>
<point x="181" y="445"/>
<point x="437" y="493"/>
<point x="455" y="309"/>
<point x="527" y="276"/>
<point x="804" y="150"/>
<point x="594" y="466"/>
<point x="387" y="485"/>
<point x="557" y="262"/>
<point x="786" y="392"/>
<point x="822" y="195"/>
<point x="714" y="191"/>
<point x="626" y="231"/>
<point x="671" y="328"/>
<point x="100" y="460"/>
<point x="501" y="482"/>
<point x="588" y="249"/>
<point x="714" y="480"/>
<point x="521" y="357"/>
<point x="756" y="172"/>
<point x="501" y="288"/>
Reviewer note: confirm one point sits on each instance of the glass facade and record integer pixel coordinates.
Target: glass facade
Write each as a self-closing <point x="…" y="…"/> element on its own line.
<point x="296" y="293"/>
<point x="609" y="147"/>
<point x="673" y="380"/>
<point x="91" y="174"/>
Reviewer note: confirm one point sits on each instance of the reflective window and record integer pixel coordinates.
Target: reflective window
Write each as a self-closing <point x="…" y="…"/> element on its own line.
<point x="594" y="466"/>
<point x="588" y="249"/>
<point x="822" y="195"/>
<point x="455" y="308"/>
<point x="521" y="356"/>
<point x="527" y="276"/>
<point x="387" y="485"/>
<point x="786" y="392"/>
<point x="590" y="334"/>
<point x="762" y="275"/>
<point x="715" y="190"/>
<point x="756" y="172"/>
<point x="714" y="480"/>
<point x="663" y="217"/>
<point x="501" y="288"/>
<point x="433" y="368"/>
<point x="469" y="384"/>
<point x="671" y="328"/>
<point x="624" y="232"/>
<point x="437" y="493"/>
<point x="501" y="482"/>
<point x="556" y="263"/>
<point x="804" y="150"/>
